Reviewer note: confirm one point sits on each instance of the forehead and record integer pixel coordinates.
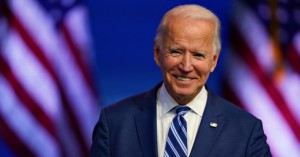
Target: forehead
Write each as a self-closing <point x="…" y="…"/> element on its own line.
<point x="190" y="30"/>
<point x="198" y="27"/>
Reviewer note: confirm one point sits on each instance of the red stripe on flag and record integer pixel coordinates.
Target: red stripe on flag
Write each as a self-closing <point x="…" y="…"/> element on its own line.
<point x="294" y="58"/>
<point x="78" y="58"/>
<point x="229" y="94"/>
<point x="39" y="114"/>
<point x="35" y="109"/>
<point x="13" y="141"/>
<point x="37" y="51"/>
<point x="246" y="53"/>
<point x="72" y="120"/>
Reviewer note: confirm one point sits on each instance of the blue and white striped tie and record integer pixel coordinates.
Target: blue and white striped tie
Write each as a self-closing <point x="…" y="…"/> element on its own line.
<point x="176" y="145"/>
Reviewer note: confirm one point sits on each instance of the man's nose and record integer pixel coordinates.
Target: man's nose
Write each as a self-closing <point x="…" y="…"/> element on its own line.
<point x="186" y="64"/>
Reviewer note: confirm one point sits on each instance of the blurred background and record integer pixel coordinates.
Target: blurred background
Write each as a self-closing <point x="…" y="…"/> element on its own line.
<point x="61" y="61"/>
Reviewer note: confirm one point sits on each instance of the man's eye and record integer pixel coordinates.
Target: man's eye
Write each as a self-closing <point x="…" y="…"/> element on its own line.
<point x="175" y="52"/>
<point x="199" y="55"/>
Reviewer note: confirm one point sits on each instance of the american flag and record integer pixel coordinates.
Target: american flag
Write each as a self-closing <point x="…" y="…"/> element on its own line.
<point x="48" y="104"/>
<point x="263" y="72"/>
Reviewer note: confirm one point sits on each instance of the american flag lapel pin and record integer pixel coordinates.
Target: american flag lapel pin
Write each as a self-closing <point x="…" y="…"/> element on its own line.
<point x="214" y="125"/>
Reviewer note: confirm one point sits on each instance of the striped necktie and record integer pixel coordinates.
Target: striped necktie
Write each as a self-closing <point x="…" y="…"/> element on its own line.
<point x="176" y="145"/>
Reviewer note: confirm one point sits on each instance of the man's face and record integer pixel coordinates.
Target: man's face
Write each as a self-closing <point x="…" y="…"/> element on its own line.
<point x="186" y="57"/>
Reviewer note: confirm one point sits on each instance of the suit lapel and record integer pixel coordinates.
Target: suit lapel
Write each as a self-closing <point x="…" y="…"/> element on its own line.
<point x="207" y="132"/>
<point x="146" y="124"/>
<point x="205" y="138"/>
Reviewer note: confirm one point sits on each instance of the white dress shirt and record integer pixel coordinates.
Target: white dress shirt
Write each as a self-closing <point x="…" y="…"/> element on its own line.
<point x="165" y="115"/>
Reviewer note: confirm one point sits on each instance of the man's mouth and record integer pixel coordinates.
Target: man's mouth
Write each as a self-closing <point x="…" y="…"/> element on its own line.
<point x="183" y="78"/>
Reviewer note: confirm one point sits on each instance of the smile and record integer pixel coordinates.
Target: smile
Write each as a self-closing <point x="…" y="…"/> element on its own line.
<point x="183" y="78"/>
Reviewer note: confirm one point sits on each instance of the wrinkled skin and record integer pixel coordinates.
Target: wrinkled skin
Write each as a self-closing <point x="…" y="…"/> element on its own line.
<point x="186" y="57"/>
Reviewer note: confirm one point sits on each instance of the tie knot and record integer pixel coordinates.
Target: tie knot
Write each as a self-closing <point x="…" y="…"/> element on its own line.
<point x="181" y="110"/>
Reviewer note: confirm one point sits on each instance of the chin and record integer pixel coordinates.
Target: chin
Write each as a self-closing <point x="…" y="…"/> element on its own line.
<point x="185" y="94"/>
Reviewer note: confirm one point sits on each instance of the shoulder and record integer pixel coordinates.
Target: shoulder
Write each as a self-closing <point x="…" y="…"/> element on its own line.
<point x="240" y="129"/>
<point x="127" y="104"/>
<point x="235" y="118"/>
<point x="232" y="111"/>
<point x="133" y="103"/>
<point x="228" y="110"/>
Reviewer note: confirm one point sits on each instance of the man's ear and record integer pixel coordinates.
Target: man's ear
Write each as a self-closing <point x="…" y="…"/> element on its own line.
<point x="156" y="54"/>
<point x="214" y="62"/>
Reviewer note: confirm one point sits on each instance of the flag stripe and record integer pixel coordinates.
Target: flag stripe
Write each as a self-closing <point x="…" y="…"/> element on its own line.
<point x="34" y="108"/>
<point x="72" y="120"/>
<point x="76" y="54"/>
<point x="256" y="100"/>
<point x="32" y="76"/>
<point x="259" y="72"/>
<point x="21" y="121"/>
<point x="247" y="55"/>
<point x="36" y="50"/>
<point x="67" y="136"/>
<point x="290" y="89"/>
<point x="49" y="62"/>
<point x="40" y="115"/>
<point x="294" y="58"/>
<point x="77" y="92"/>
<point x="19" y="147"/>
<point x="44" y="61"/>
<point x="75" y="84"/>
<point x="258" y="40"/>
<point x="230" y="94"/>
<point x="69" y="78"/>
<point x="76" y="23"/>
<point x="30" y="73"/>
<point x="263" y="48"/>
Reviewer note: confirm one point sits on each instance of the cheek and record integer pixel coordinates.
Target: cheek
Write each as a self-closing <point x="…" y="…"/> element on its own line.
<point x="168" y="63"/>
<point x="203" y="68"/>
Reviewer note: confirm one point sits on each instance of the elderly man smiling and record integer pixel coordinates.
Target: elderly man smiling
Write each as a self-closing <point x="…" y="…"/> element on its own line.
<point x="180" y="117"/>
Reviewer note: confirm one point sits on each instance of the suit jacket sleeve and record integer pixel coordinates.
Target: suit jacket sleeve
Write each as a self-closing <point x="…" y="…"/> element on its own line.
<point x="257" y="146"/>
<point x="100" y="146"/>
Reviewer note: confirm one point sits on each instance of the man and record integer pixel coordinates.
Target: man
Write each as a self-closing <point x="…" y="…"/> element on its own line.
<point x="180" y="117"/>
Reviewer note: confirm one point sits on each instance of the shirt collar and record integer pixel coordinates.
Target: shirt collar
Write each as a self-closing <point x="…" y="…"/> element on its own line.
<point x="168" y="103"/>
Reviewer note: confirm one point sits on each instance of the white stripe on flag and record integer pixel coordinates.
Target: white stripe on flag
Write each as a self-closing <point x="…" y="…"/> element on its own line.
<point x="77" y="91"/>
<point x="260" y="46"/>
<point x="42" y="30"/>
<point x="38" y="24"/>
<point x="76" y="22"/>
<point x="66" y="135"/>
<point x="31" y="74"/>
<point x="280" y="137"/>
<point x="290" y="88"/>
<point x="22" y="123"/>
<point x="54" y="47"/>
<point x="39" y="85"/>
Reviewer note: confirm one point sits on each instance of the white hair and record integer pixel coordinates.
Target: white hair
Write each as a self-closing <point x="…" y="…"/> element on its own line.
<point x="193" y="11"/>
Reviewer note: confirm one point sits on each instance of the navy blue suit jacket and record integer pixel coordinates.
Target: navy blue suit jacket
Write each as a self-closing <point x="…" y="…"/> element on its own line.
<point x="128" y="129"/>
